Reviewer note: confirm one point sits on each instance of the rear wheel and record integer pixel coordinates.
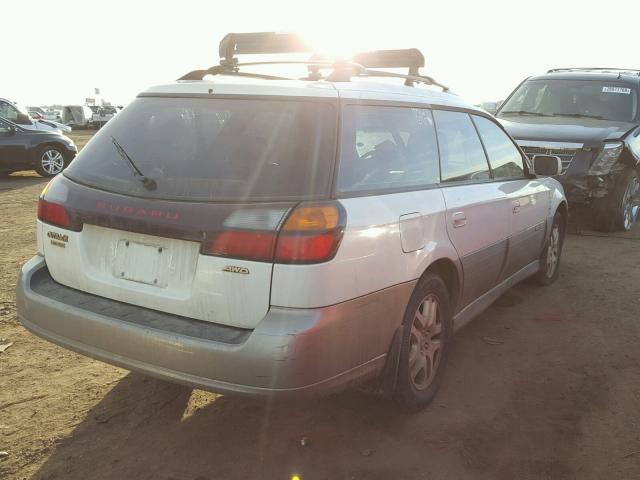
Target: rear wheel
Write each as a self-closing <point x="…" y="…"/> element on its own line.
<point x="619" y="210"/>
<point x="550" y="257"/>
<point x="426" y="333"/>
<point x="51" y="161"/>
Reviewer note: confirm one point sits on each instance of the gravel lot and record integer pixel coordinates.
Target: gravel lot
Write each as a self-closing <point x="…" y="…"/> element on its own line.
<point x="544" y="385"/>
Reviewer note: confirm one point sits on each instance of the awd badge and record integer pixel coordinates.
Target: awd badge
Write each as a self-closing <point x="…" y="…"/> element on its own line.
<point x="235" y="269"/>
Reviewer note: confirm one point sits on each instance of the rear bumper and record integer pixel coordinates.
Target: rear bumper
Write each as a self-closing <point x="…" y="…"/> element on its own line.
<point x="290" y="352"/>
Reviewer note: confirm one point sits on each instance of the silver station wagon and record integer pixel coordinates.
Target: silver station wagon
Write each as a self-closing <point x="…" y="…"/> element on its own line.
<point x="252" y="234"/>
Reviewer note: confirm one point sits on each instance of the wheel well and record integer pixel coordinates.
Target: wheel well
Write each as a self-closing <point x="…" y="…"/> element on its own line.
<point x="564" y="211"/>
<point x="446" y="269"/>
<point x="37" y="150"/>
<point x="51" y="144"/>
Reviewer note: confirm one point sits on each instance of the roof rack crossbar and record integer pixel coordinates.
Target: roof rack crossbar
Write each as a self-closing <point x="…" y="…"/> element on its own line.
<point x="414" y="78"/>
<point x="342" y="71"/>
<point x="595" y="69"/>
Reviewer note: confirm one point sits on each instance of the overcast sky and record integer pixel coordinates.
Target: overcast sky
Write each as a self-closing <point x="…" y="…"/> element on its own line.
<point x="59" y="51"/>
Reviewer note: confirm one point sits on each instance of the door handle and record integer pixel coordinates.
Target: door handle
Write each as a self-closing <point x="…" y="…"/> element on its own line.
<point x="459" y="219"/>
<point x="516" y="206"/>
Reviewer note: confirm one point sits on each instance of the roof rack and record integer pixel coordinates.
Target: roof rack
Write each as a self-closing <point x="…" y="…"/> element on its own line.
<point x="234" y="44"/>
<point x="618" y="71"/>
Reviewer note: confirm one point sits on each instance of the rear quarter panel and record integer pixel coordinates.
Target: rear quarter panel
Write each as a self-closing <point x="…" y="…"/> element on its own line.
<point x="370" y="257"/>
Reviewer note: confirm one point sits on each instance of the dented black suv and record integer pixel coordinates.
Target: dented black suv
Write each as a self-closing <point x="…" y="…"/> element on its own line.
<point x="590" y="119"/>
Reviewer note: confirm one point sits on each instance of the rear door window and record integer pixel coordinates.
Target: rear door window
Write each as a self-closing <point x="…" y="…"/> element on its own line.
<point x="504" y="157"/>
<point x="215" y="149"/>
<point x="386" y="148"/>
<point x="461" y="154"/>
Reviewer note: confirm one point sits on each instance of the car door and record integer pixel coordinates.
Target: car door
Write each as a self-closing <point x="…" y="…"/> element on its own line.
<point x="12" y="146"/>
<point x="529" y="199"/>
<point x="477" y="209"/>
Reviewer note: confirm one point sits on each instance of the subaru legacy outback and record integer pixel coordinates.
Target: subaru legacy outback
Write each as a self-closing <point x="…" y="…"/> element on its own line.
<point x="258" y="235"/>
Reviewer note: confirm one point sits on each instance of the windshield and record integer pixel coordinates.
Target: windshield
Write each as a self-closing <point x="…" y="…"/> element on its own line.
<point x="214" y="149"/>
<point x="588" y="98"/>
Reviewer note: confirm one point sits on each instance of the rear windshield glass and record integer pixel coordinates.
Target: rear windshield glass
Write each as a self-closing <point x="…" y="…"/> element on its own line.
<point x="214" y="149"/>
<point x="576" y="98"/>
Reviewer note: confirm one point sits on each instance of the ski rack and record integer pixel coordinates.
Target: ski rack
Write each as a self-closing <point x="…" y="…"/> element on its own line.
<point x="363" y="64"/>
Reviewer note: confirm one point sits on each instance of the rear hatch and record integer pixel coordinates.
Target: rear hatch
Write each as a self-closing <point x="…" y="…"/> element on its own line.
<point x="198" y="239"/>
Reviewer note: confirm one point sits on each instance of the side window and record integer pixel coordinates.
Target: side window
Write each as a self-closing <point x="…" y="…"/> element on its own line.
<point x="461" y="154"/>
<point x="8" y="111"/>
<point x="387" y="148"/>
<point x="504" y="157"/>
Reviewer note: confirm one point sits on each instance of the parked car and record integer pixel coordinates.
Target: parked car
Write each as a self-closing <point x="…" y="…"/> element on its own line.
<point x="16" y="114"/>
<point x="102" y="115"/>
<point x="47" y="152"/>
<point x="590" y="119"/>
<point x="79" y="116"/>
<point x="36" y="112"/>
<point x="289" y="237"/>
<point x="55" y="115"/>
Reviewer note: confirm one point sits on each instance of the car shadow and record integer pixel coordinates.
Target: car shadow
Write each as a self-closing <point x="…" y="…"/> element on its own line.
<point x="20" y="180"/>
<point x="581" y="222"/>
<point x="145" y="428"/>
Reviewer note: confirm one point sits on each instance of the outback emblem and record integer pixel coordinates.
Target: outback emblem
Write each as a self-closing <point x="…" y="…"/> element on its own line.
<point x="234" y="269"/>
<point x="58" y="239"/>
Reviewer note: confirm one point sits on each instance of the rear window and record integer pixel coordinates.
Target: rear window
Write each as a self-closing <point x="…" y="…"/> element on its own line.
<point x="214" y="149"/>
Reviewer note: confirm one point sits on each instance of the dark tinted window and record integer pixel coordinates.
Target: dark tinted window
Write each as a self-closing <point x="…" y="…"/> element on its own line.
<point x="588" y="98"/>
<point x="215" y="149"/>
<point x="8" y="111"/>
<point x="461" y="154"/>
<point x="504" y="156"/>
<point x="387" y="148"/>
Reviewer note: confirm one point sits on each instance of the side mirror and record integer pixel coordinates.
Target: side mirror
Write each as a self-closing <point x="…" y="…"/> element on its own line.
<point x="547" y="165"/>
<point x="8" y="130"/>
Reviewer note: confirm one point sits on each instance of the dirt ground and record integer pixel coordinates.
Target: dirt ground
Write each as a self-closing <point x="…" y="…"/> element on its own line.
<point x="544" y="385"/>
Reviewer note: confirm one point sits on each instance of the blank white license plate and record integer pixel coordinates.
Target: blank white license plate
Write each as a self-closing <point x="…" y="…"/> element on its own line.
<point x="141" y="263"/>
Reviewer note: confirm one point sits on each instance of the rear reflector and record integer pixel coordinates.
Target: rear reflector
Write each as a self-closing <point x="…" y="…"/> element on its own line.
<point x="244" y="244"/>
<point x="55" y="214"/>
<point x="306" y="248"/>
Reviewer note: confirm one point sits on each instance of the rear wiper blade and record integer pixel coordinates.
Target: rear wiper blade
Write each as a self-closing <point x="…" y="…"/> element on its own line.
<point x="578" y="115"/>
<point x="524" y="112"/>
<point x="147" y="182"/>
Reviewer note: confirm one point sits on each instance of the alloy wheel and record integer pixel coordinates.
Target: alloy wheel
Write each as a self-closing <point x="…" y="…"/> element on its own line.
<point x="553" y="251"/>
<point x="425" y="343"/>
<point x="631" y="205"/>
<point x="52" y="161"/>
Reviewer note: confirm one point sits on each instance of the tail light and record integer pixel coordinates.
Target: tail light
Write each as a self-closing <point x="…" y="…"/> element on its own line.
<point x="55" y="214"/>
<point x="248" y="245"/>
<point x="311" y="233"/>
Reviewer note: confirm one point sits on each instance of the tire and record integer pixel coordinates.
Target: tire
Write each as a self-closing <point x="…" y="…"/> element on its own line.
<point x="551" y="253"/>
<point x="617" y="211"/>
<point x="423" y="351"/>
<point x="50" y="161"/>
